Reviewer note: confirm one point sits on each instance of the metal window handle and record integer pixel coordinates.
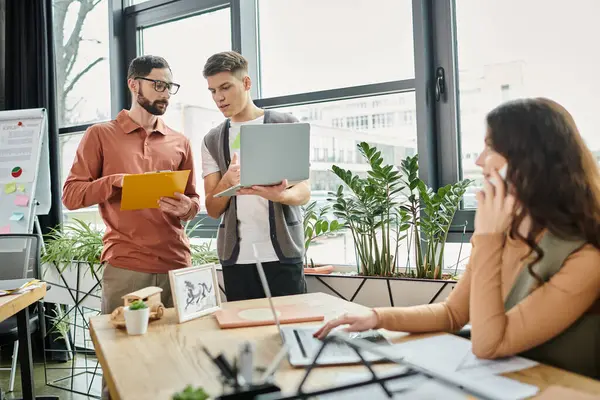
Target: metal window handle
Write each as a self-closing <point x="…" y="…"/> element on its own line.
<point x="440" y="83"/>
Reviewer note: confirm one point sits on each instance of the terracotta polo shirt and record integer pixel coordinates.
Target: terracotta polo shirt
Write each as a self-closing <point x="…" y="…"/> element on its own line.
<point x="141" y="240"/>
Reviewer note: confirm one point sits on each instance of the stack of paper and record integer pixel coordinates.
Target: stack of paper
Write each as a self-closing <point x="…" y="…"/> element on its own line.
<point x="450" y="353"/>
<point x="16" y="286"/>
<point x="451" y="360"/>
<point x="420" y="387"/>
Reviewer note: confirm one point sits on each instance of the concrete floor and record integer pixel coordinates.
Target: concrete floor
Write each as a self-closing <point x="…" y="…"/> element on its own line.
<point x="85" y="382"/>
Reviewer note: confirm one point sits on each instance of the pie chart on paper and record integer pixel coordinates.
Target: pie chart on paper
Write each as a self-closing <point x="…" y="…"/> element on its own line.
<point x="16" y="172"/>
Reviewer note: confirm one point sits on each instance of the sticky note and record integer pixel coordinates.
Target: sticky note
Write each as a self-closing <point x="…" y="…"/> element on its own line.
<point x="236" y="143"/>
<point x="21" y="188"/>
<point x="17" y="216"/>
<point x="22" y="200"/>
<point x="5" y="229"/>
<point x="10" y="188"/>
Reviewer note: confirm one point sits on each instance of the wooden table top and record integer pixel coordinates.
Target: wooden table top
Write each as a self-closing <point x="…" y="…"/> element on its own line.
<point x="12" y="304"/>
<point x="169" y="356"/>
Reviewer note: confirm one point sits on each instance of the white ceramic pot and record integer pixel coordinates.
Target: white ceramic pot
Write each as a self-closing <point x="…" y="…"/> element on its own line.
<point x="136" y="321"/>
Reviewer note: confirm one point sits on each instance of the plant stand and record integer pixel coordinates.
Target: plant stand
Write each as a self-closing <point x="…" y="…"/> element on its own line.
<point x="80" y="294"/>
<point x="381" y="291"/>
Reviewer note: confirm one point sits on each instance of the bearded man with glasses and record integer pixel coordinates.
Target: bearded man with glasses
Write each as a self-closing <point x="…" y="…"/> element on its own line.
<point x="140" y="246"/>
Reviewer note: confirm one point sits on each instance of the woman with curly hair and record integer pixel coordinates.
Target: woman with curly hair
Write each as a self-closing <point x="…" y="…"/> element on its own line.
<point x="532" y="285"/>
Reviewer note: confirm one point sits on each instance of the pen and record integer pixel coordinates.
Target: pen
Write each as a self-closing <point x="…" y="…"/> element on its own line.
<point x="221" y="359"/>
<point x="218" y="361"/>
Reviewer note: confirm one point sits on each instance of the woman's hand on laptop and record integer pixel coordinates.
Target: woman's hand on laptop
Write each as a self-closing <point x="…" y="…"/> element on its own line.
<point x="273" y="193"/>
<point x="357" y="323"/>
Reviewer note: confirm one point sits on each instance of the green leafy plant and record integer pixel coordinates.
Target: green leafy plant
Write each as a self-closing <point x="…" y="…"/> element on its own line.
<point x="430" y="214"/>
<point x="137" y="305"/>
<point x="189" y="393"/>
<point x="61" y="323"/>
<point x="202" y="253"/>
<point x="316" y="225"/>
<point x="382" y="207"/>
<point x="75" y="241"/>
<point x="370" y="209"/>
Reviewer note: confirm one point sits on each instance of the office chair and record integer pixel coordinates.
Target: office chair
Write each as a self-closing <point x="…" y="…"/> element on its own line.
<point x="19" y="262"/>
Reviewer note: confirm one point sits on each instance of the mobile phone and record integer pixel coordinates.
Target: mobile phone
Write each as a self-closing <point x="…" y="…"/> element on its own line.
<point x="496" y="161"/>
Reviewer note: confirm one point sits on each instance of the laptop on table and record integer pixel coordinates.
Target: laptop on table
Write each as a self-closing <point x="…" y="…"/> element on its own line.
<point x="271" y="153"/>
<point x="302" y="346"/>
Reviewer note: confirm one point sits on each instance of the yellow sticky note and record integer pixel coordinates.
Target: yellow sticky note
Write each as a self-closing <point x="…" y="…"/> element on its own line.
<point x="10" y="188"/>
<point x="21" y="188"/>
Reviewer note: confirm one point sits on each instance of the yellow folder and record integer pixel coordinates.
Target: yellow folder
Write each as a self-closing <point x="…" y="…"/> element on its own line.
<point x="142" y="191"/>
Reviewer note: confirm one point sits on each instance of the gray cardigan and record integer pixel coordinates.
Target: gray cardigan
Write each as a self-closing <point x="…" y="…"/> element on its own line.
<point x="285" y="222"/>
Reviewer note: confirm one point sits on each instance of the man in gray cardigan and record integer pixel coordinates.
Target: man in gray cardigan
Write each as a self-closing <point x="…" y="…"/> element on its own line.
<point x="268" y="217"/>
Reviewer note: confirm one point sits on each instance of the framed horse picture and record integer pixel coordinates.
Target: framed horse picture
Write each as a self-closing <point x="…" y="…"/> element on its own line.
<point x="195" y="291"/>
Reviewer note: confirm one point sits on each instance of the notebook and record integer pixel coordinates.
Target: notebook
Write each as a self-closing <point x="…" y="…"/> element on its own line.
<point x="240" y="317"/>
<point x="16" y="286"/>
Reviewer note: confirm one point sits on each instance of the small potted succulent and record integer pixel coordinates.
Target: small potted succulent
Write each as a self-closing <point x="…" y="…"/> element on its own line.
<point x="137" y="315"/>
<point x="191" y="393"/>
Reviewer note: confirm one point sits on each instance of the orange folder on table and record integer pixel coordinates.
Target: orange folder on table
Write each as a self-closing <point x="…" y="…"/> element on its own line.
<point x="142" y="191"/>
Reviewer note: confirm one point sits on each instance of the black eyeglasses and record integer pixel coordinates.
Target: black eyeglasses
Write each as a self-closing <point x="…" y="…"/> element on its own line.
<point x="160" y="86"/>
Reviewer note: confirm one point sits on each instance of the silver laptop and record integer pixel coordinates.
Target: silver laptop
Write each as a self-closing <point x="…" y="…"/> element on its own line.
<point x="302" y="346"/>
<point x="270" y="153"/>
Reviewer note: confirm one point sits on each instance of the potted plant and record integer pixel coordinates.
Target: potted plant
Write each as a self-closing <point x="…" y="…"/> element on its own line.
<point x="317" y="225"/>
<point x="137" y="315"/>
<point x="71" y="263"/>
<point x="370" y="210"/>
<point x="190" y="393"/>
<point x="430" y="215"/>
<point x="202" y="253"/>
<point x="384" y="208"/>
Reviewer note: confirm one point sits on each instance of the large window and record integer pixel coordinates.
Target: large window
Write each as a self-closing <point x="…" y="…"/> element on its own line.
<point x="336" y="128"/>
<point x="192" y="110"/>
<point x="510" y="49"/>
<point x="309" y="45"/>
<point x="68" y="148"/>
<point x="82" y="67"/>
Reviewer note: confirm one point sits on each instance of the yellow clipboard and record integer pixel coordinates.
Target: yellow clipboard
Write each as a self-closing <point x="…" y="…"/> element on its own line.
<point x="142" y="191"/>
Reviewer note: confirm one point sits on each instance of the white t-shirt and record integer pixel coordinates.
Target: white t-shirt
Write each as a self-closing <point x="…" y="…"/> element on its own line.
<point x="252" y="211"/>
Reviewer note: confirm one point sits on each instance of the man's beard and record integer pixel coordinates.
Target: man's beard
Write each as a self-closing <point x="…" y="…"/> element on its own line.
<point x="151" y="107"/>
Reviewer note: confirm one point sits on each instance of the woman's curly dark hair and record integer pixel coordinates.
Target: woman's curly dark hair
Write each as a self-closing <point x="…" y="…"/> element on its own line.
<point x="554" y="174"/>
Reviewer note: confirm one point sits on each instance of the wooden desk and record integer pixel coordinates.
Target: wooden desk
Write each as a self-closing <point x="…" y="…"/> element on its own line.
<point x="19" y="304"/>
<point x="169" y="356"/>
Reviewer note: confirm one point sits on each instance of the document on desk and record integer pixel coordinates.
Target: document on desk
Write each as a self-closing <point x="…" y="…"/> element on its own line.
<point x="450" y="353"/>
<point x="411" y="387"/>
<point x="17" y="286"/>
<point x="420" y="387"/>
<point x="141" y="191"/>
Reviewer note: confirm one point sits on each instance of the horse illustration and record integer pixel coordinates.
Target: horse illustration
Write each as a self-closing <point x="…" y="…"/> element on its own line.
<point x="193" y="296"/>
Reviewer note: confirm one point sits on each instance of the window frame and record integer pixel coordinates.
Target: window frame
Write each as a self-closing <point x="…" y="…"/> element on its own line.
<point x="434" y="42"/>
<point x="447" y="110"/>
